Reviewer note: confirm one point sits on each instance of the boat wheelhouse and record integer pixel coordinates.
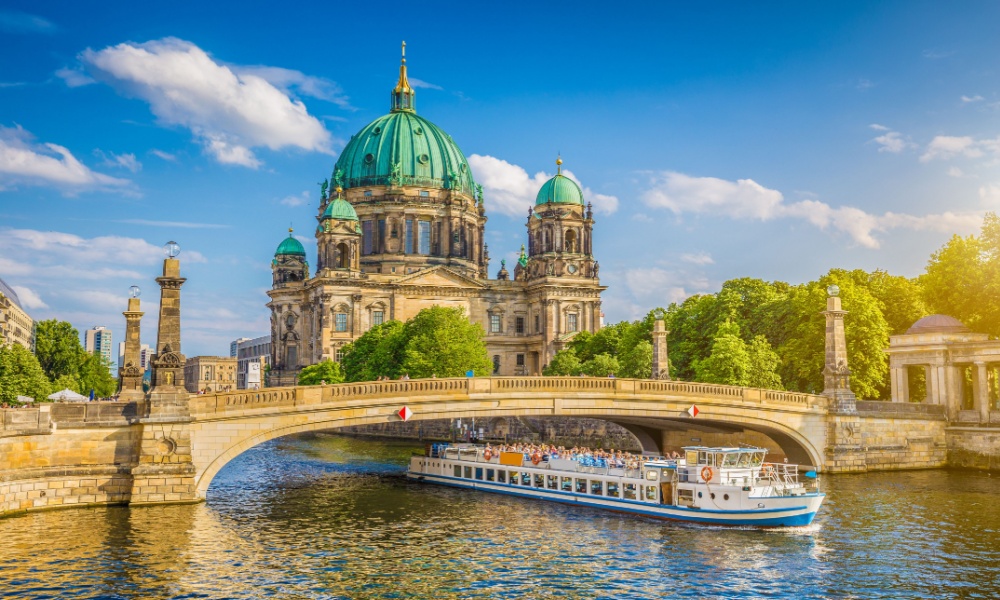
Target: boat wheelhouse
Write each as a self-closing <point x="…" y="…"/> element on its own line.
<point x="723" y="486"/>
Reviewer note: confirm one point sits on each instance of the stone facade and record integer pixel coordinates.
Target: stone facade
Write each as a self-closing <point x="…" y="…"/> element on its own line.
<point x="206" y="374"/>
<point x="16" y="327"/>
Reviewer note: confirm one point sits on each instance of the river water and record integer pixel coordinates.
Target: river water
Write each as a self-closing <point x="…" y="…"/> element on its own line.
<point x="323" y="516"/>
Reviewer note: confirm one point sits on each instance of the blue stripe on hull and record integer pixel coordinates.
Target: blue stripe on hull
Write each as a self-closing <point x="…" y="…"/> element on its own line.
<point x="674" y="513"/>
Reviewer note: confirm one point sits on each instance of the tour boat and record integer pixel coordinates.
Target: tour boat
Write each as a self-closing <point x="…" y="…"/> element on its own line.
<point x="717" y="486"/>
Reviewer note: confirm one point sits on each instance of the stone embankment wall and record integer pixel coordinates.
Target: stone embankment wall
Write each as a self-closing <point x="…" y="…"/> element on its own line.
<point x="57" y="455"/>
<point x="974" y="448"/>
<point x="886" y="436"/>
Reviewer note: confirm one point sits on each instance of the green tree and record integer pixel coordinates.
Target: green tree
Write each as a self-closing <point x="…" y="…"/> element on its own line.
<point x="763" y="364"/>
<point x="58" y="348"/>
<point x="21" y="375"/>
<point x="94" y="374"/>
<point x="602" y="365"/>
<point x="900" y="300"/>
<point x="65" y="382"/>
<point x="443" y="342"/>
<point x="729" y="362"/>
<point x="322" y="372"/>
<point x="565" y="362"/>
<point x="637" y="362"/>
<point x="377" y="353"/>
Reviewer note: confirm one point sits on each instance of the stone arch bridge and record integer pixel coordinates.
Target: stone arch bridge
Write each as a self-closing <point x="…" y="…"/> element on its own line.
<point x="224" y="425"/>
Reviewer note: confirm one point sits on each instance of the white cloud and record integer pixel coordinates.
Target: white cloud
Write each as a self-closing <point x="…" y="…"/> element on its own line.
<point x="746" y="199"/>
<point x="419" y="83"/>
<point x="968" y="99"/>
<point x="891" y="142"/>
<point x="290" y="81"/>
<point x="227" y="111"/>
<point x="164" y="155"/>
<point x="681" y="193"/>
<point x="74" y="78"/>
<point x="122" y="161"/>
<point x="642" y="218"/>
<point x="23" y="161"/>
<point x="955" y="172"/>
<point x="989" y="195"/>
<point x="293" y="201"/>
<point x="29" y="299"/>
<point x="878" y="127"/>
<point x="948" y="146"/>
<point x="509" y="189"/>
<point x="699" y="258"/>
<point x="56" y="249"/>
<point x="13" y="21"/>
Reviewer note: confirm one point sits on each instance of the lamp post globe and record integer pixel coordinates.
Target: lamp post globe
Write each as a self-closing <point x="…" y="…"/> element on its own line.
<point x="172" y="249"/>
<point x="833" y="290"/>
<point x="134" y="291"/>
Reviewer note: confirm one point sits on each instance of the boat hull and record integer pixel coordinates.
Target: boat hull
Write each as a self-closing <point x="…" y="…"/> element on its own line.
<point x="778" y="511"/>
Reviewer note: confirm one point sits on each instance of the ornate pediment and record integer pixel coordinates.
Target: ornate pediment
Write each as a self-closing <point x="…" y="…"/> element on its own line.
<point x="168" y="360"/>
<point x="439" y="277"/>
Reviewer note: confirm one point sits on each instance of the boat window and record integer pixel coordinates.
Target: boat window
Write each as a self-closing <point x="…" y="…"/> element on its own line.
<point x="745" y="459"/>
<point x="731" y="460"/>
<point x="613" y="489"/>
<point x="651" y="475"/>
<point x="552" y="482"/>
<point x="719" y="457"/>
<point x="630" y="491"/>
<point x="597" y="488"/>
<point x="502" y="476"/>
<point x="691" y="457"/>
<point x="581" y="486"/>
<point x="651" y="493"/>
<point x="490" y="476"/>
<point x="758" y="458"/>
<point x="479" y="473"/>
<point x="458" y="471"/>
<point x="539" y="480"/>
<point x="468" y="472"/>
<point x="513" y="478"/>
<point x="704" y="458"/>
<point x="567" y="484"/>
<point x="525" y="478"/>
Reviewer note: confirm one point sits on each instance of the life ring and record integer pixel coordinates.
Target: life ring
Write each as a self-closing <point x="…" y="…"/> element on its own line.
<point x="706" y="473"/>
<point x="487" y="454"/>
<point x="766" y="469"/>
<point x="536" y="458"/>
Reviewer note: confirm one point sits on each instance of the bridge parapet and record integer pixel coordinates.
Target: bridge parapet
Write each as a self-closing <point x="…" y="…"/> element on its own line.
<point x="232" y="402"/>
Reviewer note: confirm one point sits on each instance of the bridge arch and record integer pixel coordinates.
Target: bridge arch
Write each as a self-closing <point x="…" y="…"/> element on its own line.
<point x="227" y="424"/>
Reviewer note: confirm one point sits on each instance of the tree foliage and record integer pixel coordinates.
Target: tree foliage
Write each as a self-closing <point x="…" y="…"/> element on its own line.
<point x="21" y="375"/>
<point x="438" y="341"/>
<point x="58" y="348"/>
<point x="565" y="362"/>
<point x="94" y="374"/>
<point x="324" y="372"/>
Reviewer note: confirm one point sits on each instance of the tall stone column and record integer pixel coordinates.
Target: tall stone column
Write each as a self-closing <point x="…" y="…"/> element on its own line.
<point x="836" y="374"/>
<point x="165" y="472"/>
<point x="982" y="392"/>
<point x="661" y="364"/>
<point x="131" y="372"/>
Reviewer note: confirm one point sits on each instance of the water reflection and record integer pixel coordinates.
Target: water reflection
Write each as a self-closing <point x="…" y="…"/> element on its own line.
<point x="330" y="517"/>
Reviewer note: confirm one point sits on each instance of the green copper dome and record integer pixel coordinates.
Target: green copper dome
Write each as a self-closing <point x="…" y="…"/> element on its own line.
<point x="402" y="148"/>
<point x="340" y="209"/>
<point x="560" y="189"/>
<point x="290" y="246"/>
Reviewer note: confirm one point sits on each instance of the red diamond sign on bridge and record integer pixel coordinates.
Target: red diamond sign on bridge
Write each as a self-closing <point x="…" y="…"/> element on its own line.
<point x="405" y="413"/>
<point x="693" y="411"/>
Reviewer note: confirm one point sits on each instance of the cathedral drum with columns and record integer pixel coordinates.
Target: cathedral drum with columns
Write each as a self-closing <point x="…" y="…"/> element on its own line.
<point x="401" y="227"/>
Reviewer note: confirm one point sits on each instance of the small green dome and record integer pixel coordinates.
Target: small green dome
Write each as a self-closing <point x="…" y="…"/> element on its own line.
<point x="560" y="189"/>
<point x="290" y="246"/>
<point x="340" y="209"/>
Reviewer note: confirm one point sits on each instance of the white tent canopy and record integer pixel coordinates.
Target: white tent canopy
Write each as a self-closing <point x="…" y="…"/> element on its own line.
<point x="67" y="394"/>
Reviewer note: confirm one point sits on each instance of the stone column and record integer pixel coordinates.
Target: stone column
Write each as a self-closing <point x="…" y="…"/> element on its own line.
<point x="131" y="372"/>
<point x="661" y="364"/>
<point x="897" y="384"/>
<point x="982" y="392"/>
<point x="165" y="472"/>
<point x="836" y="374"/>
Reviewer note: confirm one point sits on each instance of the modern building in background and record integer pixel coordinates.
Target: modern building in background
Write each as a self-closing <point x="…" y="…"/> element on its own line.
<point x="402" y="227"/>
<point x="16" y="327"/>
<point x="144" y="353"/>
<point x="253" y="356"/>
<point x="234" y="346"/>
<point x="98" y="341"/>
<point x="207" y="374"/>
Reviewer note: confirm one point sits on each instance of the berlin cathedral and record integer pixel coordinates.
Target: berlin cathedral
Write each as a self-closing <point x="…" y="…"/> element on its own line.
<point x="401" y="227"/>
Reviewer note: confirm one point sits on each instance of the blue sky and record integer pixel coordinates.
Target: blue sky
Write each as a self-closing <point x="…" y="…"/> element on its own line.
<point x="717" y="142"/>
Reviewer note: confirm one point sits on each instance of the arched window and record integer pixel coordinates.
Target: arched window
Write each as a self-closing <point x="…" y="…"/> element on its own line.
<point x="343" y="256"/>
<point x="496" y="364"/>
<point x="571" y="241"/>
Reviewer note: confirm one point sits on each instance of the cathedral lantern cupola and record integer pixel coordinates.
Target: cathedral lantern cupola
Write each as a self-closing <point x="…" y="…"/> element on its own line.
<point x="403" y="96"/>
<point x="560" y="231"/>
<point x="338" y="237"/>
<point x="289" y="265"/>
